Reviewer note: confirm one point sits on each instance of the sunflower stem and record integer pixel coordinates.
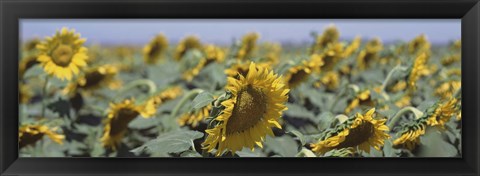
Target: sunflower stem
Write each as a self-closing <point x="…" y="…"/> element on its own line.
<point x="184" y="101"/>
<point x="44" y="95"/>
<point x="390" y="76"/>
<point x="403" y="111"/>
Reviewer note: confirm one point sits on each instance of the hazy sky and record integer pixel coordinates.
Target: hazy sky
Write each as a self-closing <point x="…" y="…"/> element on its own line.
<point x="140" y="31"/>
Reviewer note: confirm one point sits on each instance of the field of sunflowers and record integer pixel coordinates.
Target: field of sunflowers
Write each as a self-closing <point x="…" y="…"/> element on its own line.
<point x="329" y="98"/>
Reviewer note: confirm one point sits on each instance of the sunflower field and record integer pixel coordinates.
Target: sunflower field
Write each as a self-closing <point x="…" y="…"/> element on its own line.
<point x="328" y="98"/>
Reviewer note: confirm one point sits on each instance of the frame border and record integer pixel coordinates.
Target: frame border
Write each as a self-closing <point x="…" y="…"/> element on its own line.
<point x="13" y="10"/>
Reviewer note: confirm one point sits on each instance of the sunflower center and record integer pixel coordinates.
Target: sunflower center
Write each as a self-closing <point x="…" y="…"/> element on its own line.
<point x="120" y="122"/>
<point x="93" y="79"/>
<point x="298" y="77"/>
<point x="30" y="139"/>
<point x="155" y="51"/>
<point x="248" y="111"/>
<point x="358" y="135"/>
<point x="62" y="55"/>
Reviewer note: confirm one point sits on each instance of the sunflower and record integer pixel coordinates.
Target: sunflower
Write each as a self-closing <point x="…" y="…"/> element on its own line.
<point x="442" y="113"/>
<point x="25" y="93"/>
<point x="300" y="73"/>
<point x="329" y="36"/>
<point x="31" y="45"/>
<point x="30" y="134"/>
<point x="63" y="54"/>
<point x="255" y="106"/>
<point x="191" y="73"/>
<point x="397" y="87"/>
<point x="190" y="42"/>
<point x="331" y="80"/>
<point x="370" y="53"/>
<point x="449" y="60"/>
<point x="353" y="47"/>
<point x="272" y="50"/>
<point x="332" y="55"/>
<point x="154" y="50"/>
<point x="166" y="95"/>
<point x="241" y="68"/>
<point x="362" y="98"/>
<point x="248" y="46"/>
<point x="419" y="44"/>
<point x="447" y="89"/>
<point x="95" y="78"/>
<point x="119" y="116"/>
<point x="403" y="101"/>
<point x="409" y="137"/>
<point x="195" y="117"/>
<point x="214" y="53"/>
<point x="418" y="70"/>
<point x="361" y="131"/>
<point x="25" y="64"/>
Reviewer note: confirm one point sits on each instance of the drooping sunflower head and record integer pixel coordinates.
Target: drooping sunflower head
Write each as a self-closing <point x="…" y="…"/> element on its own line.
<point x="188" y="43"/>
<point x="409" y="136"/>
<point x="447" y="89"/>
<point x="25" y="64"/>
<point x="25" y="93"/>
<point x="360" y="132"/>
<point x="333" y="53"/>
<point x="440" y="113"/>
<point x="195" y="117"/>
<point x="331" y="80"/>
<point x="403" y="101"/>
<point x="363" y="98"/>
<point x="450" y="59"/>
<point x="30" y="134"/>
<point x="369" y="54"/>
<point x="254" y="107"/>
<point x="31" y="45"/>
<point x="353" y="47"/>
<point x="153" y="51"/>
<point x="63" y="54"/>
<point x="397" y="87"/>
<point x="419" y="43"/>
<point x="119" y="116"/>
<point x="329" y="36"/>
<point x="167" y="95"/>
<point x="189" y="74"/>
<point x="214" y="53"/>
<point x="419" y="69"/>
<point x="300" y="73"/>
<point x="99" y="76"/>
<point x="248" y="46"/>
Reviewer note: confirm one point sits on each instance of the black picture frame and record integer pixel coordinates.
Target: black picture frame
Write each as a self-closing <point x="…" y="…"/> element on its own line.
<point x="13" y="10"/>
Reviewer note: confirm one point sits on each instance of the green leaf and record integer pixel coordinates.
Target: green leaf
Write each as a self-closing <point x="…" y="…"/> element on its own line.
<point x="284" y="145"/>
<point x="61" y="106"/>
<point x="190" y="153"/>
<point x="434" y="145"/>
<point x="34" y="71"/>
<point x="201" y="100"/>
<point x="142" y="123"/>
<point x="171" y="142"/>
<point x="298" y="111"/>
<point x="299" y="136"/>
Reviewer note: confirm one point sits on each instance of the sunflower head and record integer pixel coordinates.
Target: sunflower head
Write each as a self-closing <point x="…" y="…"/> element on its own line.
<point x="331" y="80"/>
<point x="419" y="69"/>
<point x="31" y="45"/>
<point x="441" y="113"/>
<point x="167" y="95"/>
<point x="30" y="134"/>
<point x="363" y="98"/>
<point x="255" y="106"/>
<point x="449" y="60"/>
<point x="188" y="75"/>
<point x="154" y="50"/>
<point x="397" y="87"/>
<point x="353" y="47"/>
<point x="329" y="36"/>
<point x="369" y="54"/>
<point x="447" y="89"/>
<point x="119" y="116"/>
<point x="25" y="64"/>
<point x="359" y="132"/>
<point x="272" y="50"/>
<point x="248" y="46"/>
<point x="409" y="136"/>
<point x="333" y="53"/>
<point x="63" y="54"/>
<point x="195" y="117"/>
<point x="25" y="93"/>
<point x="214" y="53"/>
<point x="419" y="43"/>
<point x="300" y="73"/>
<point x="188" y="43"/>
